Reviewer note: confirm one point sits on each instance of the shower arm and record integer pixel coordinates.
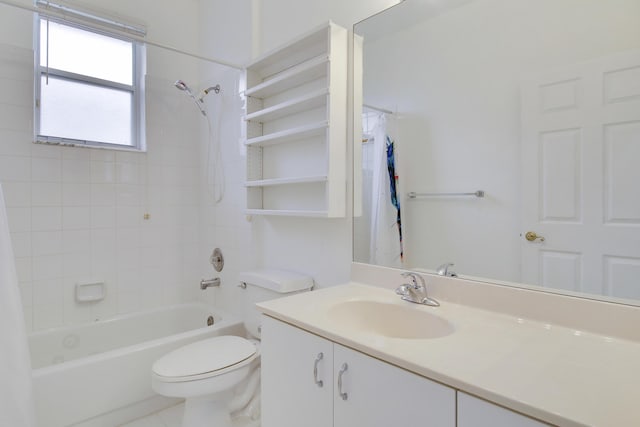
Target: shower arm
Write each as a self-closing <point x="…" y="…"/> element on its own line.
<point x="206" y="91"/>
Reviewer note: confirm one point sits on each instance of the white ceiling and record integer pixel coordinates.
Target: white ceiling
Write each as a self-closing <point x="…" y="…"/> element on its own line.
<point x="403" y="16"/>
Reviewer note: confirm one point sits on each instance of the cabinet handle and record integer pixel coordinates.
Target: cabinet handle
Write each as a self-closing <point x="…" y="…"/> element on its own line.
<point x="318" y="382"/>
<point x="343" y="369"/>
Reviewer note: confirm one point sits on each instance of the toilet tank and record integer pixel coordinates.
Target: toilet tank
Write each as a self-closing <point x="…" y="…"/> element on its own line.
<point x="267" y="284"/>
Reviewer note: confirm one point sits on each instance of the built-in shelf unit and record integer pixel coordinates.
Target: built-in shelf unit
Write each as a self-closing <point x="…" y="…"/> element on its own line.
<point x="296" y="127"/>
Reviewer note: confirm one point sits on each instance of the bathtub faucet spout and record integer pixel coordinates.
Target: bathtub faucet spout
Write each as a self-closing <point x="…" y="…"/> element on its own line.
<point x="206" y="283"/>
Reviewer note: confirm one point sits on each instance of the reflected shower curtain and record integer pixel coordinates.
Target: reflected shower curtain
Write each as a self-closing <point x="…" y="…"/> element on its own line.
<point x="386" y="234"/>
<point x="16" y="399"/>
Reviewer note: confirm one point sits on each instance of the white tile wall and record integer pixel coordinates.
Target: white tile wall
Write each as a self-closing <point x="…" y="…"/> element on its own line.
<point x="19" y="218"/>
<point x="17" y="193"/>
<point x="77" y="214"/>
<point x="46" y="194"/>
<point x="46" y="218"/>
<point x="46" y="169"/>
<point x="76" y="217"/>
<point x="15" y="169"/>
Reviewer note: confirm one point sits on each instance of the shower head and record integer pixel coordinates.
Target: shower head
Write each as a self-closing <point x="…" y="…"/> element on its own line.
<point x="183" y="87"/>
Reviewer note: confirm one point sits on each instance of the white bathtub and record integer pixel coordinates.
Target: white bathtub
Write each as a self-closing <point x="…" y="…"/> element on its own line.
<point x="98" y="374"/>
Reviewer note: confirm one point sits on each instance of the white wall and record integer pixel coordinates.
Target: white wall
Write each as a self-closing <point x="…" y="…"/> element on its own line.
<point x="227" y="34"/>
<point x="277" y="25"/>
<point x="77" y="214"/>
<point x="455" y="83"/>
<point x="318" y="247"/>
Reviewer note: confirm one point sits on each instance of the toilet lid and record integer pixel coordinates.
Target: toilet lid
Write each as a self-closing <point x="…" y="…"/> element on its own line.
<point x="204" y="356"/>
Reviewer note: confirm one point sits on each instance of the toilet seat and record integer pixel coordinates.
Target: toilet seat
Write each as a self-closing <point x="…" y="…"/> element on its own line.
<point x="205" y="359"/>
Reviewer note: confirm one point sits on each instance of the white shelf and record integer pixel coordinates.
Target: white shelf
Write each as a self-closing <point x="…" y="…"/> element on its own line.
<point x="300" y="132"/>
<point x="293" y="77"/>
<point x="295" y="124"/>
<point x="306" y="102"/>
<point x="286" y="181"/>
<point x="292" y="212"/>
<point x="308" y="45"/>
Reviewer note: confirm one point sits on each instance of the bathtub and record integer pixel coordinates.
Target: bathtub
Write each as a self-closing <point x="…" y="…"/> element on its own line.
<point x="98" y="374"/>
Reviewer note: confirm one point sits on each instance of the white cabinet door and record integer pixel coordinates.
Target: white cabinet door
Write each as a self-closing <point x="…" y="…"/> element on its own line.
<point x="372" y="393"/>
<point x="292" y="395"/>
<point x="474" y="412"/>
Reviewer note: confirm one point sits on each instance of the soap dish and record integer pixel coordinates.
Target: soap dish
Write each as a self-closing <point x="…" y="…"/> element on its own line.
<point x="90" y="292"/>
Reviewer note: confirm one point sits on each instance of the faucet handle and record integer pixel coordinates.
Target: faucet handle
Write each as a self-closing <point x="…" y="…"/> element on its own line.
<point x="414" y="292"/>
<point x="414" y="279"/>
<point x="443" y="270"/>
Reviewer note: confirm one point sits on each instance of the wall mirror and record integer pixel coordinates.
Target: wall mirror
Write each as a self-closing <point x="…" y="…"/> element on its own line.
<point x="508" y="133"/>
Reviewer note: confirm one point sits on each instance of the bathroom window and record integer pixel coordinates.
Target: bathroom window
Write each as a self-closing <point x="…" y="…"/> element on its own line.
<point x="89" y="89"/>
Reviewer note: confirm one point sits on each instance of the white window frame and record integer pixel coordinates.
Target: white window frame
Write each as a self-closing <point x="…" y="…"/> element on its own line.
<point x="136" y="89"/>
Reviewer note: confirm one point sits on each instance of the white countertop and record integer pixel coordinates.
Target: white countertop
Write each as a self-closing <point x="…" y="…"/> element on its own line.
<point x="553" y="373"/>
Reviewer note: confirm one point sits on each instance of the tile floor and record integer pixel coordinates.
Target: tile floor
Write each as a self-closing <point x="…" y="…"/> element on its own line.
<point x="172" y="417"/>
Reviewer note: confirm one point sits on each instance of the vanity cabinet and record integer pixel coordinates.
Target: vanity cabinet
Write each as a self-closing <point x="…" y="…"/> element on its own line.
<point x="310" y="381"/>
<point x="381" y="395"/>
<point x="291" y="394"/>
<point x="313" y="382"/>
<point x="474" y="412"/>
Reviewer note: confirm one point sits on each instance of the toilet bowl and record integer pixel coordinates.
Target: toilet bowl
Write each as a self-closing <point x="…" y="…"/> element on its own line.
<point x="206" y="373"/>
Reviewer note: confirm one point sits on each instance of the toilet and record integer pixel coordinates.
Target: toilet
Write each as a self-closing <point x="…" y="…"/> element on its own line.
<point x="206" y="373"/>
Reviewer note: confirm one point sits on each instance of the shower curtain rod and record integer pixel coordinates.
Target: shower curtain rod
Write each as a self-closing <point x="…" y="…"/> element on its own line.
<point x="380" y="110"/>
<point x="131" y="36"/>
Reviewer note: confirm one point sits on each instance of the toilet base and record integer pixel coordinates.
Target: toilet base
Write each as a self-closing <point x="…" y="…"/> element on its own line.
<point x="209" y="411"/>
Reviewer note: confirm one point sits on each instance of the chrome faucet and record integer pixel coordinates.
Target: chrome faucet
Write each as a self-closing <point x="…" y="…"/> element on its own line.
<point x="443" y="270"/>
<point x="206" y="283"/>
<point x="414" y="292"/>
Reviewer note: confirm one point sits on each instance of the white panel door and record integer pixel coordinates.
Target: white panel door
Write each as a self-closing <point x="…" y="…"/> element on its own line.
<point x="473" y="412"/>
<point x="581" y="177"/>
<point x="372" y="393"/>
<point x="292" y="395"/>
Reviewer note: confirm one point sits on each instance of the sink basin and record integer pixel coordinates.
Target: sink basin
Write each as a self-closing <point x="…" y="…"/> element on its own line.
<point x="390" y="320"/>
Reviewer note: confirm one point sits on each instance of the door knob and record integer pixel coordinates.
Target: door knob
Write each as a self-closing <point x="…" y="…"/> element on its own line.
<point x="532" y="236"/>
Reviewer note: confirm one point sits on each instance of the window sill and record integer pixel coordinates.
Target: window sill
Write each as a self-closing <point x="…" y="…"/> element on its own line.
<point x="98" y="146"/>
